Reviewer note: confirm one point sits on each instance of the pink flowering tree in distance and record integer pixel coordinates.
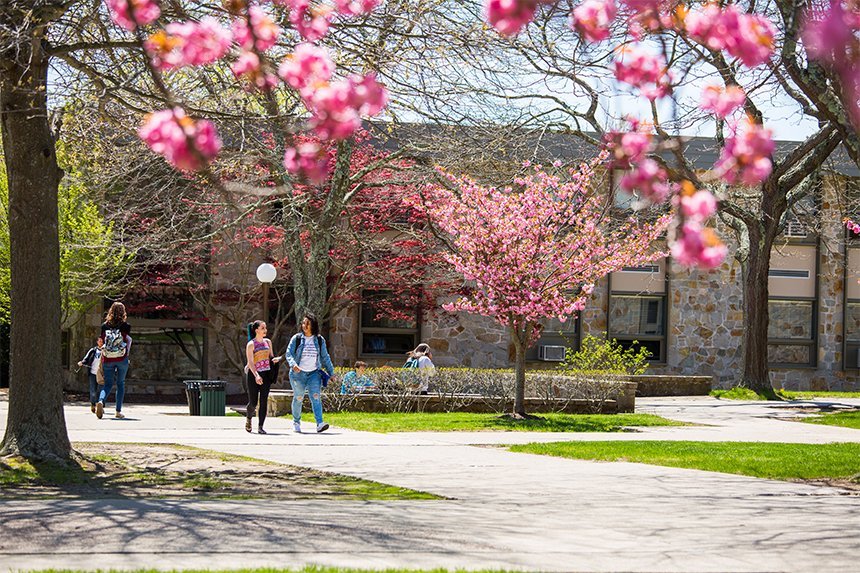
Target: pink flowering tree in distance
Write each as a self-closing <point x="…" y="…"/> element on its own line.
<point x="676" y="66"/>
<point x="535" y="250"/>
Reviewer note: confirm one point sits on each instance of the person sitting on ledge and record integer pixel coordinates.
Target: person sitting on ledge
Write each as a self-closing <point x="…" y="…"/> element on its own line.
<point x="356" y="381"/>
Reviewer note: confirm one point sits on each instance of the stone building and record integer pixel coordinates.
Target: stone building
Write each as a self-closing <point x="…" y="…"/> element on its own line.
<point x="690" y="321"/>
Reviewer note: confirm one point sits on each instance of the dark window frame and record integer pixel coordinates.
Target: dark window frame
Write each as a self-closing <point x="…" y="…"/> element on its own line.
<point x="663" y="339"/>
<point x="362" y="330"/>
<point x="850" y="238"/>
<point x="813" y="342"/>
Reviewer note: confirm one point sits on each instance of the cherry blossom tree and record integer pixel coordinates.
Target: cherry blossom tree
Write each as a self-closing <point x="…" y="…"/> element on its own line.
<point x="535" y="250"/>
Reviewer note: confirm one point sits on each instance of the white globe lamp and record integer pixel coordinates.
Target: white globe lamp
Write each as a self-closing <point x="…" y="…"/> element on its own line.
<point x="266" y="273"/>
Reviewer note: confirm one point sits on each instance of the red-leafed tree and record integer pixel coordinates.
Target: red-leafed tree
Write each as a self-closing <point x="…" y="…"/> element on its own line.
<point x="534" y="250"/>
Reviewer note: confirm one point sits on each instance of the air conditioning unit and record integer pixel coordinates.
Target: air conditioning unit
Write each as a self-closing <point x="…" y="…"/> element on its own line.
<point x="551" y="353"/>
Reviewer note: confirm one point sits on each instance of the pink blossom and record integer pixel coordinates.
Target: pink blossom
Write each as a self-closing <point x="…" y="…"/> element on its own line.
<point x="307" y="66"/>
<point x="636" y="66"/>
<point x="830" y="36"/>
<point x="508" y="17"/>
<point x="748" y="37"/>
<point x="648" y="179"/>
<point x="355" y="7"/>
<point x="307" y="160"/>
<point x="337" y="107"/>
<point x="145" y="12"/>
<point x="266" y="32"/>
<point x="699" y="205"/>
<point x="707" y="27"/>
<point x="368" y="95"/>
<point x="185" y="143"/>
<point x="722" y="102"/>
<point x="311" y="21"/>
<point x="696" y="246"/>
<point x="852" y="226"/>
<point x="828" y="32"/>
<point x="334" y="116"/>
<point x="745" y="158"/>
<point x="629" y="147"/>
<point x="188" y="44"/>
<point x="592" y="19"/>
<point x="751" y="36"/>
<point x="247" y="67"/>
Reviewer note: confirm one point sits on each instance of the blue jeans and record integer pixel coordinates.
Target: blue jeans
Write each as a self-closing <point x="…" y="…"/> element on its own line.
<point x="309" y="382"/>
<point x="94" y="388"/>
<point x="115" y="372"/>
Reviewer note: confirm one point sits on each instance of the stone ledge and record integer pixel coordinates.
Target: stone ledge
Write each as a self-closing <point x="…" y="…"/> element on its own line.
<point x="672" y="385"/>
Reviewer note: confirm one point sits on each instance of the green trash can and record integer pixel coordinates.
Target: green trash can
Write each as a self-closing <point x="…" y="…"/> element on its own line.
<point x="213" y="397"/>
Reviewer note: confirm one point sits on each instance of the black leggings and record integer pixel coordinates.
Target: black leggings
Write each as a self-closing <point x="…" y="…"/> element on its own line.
<point x="258" y="392"/>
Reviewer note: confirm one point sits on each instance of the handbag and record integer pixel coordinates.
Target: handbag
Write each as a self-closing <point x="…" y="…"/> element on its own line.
<point x="324" y="377"/>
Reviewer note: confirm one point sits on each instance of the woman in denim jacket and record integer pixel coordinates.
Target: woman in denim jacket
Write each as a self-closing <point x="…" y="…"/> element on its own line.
<point x="308" y="357"/>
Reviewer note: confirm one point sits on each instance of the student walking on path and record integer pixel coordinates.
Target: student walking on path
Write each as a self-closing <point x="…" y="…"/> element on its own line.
<point x="115" y="343"/>
<point x="93" y="361"/>
<point x="309" y="361"/>
<point x="261" y="373"/>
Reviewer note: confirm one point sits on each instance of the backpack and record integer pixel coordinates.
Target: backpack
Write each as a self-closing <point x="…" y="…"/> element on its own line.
<point x="411" y="363"/>
<point x="114" y="346"/>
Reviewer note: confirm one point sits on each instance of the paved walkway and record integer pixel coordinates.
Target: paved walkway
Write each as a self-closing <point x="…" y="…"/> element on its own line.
<point x="506" y="510"/>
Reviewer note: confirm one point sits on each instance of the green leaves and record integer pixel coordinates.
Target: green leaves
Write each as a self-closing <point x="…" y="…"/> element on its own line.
<point x="605" y="356"/>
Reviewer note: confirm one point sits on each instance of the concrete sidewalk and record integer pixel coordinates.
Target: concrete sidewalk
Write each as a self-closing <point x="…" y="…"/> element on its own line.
<point x="506" y="510"/>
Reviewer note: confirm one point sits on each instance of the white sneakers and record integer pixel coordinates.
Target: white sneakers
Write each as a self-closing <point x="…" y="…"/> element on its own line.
<point x="297" y="427"/>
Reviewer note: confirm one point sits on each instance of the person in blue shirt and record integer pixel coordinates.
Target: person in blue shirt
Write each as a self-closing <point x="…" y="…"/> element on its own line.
<point x="355" y="381"/>
<point x="308" y="358"/>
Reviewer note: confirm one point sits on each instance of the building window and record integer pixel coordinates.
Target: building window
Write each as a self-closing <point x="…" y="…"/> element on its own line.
<point x="792" y="307"/>
<point x="555" y="340"/>
<point x="638" y="309"/>
<point x="380" y="335"/>
<point x="851" y="353"/>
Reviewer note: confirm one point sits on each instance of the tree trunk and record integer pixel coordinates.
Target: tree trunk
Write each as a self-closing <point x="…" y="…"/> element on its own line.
<point x="755" y="374"/>
<point x="36" y="427"/>
<point x="519" y="373"/>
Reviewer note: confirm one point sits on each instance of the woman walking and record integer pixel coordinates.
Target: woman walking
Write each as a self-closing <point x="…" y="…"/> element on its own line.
<point x="260" y="373"/>
<point x="308" y="358"/>
<point x="115" y="343"/>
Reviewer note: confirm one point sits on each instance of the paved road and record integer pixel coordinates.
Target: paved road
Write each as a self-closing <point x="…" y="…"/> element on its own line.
<point x="506" y="510"/>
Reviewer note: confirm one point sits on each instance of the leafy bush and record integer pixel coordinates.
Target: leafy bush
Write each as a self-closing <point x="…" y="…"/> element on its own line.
<point x="598" y="356"/>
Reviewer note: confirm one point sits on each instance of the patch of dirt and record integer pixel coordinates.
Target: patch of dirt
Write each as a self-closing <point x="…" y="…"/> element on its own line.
<point x="852" y="485"/>
<point x="178" y="472"/>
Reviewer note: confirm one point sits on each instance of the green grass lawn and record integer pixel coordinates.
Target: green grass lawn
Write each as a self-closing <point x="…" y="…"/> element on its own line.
<point x="741" y="393"/>
<point x="792" y="395"/>
<point x="306" y="569"/>
<point x="776" y="461"/>
<point x="470" y="422"/>
<point x="843" y="419"/>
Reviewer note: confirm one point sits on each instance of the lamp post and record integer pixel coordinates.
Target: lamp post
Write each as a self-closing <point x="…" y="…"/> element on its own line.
<point x="266" y="273"/>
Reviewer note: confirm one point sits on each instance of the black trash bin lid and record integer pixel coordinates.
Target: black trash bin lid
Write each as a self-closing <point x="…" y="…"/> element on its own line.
<point x="212" y="385"/>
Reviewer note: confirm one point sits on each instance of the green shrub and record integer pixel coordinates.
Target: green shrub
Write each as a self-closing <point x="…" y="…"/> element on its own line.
<point x="597" y="355"/>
